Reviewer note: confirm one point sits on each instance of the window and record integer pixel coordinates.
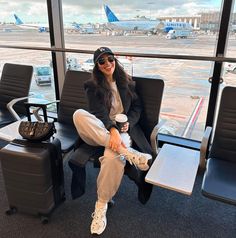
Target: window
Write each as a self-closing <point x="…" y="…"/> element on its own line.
<point x="181" y="29"/>
<point x="28" y="27"/>
<point x="24" y="23"/>
<point x="170" y="31"/>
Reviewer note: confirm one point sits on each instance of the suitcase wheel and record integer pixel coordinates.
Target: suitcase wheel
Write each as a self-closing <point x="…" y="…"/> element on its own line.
<point x="11" y="211"/>
<point x="44" y="220"/>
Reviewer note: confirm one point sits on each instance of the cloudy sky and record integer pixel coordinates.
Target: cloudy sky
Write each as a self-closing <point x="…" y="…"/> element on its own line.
<point x="85" y="11"/>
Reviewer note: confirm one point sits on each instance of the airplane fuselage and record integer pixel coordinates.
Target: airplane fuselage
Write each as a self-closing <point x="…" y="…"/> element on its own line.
<point x="134" y="25"/>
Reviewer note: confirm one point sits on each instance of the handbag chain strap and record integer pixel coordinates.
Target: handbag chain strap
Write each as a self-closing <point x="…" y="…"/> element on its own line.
<point x="32" y="132"/>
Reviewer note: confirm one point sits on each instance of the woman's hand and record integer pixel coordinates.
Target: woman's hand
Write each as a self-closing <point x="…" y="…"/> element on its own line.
<point x="115" y="139"/>
<point x="125" y="128"/>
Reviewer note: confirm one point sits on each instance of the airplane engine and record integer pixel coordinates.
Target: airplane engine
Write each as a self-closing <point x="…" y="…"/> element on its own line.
<point x="42" y="29"/>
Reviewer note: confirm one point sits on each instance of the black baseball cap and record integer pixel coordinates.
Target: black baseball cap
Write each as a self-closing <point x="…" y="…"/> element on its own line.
<point x="101" y="51"/>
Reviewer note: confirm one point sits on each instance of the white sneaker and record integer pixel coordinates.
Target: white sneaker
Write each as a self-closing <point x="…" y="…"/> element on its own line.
<point x="138" y="159"/>
<point x="99" y="222"/>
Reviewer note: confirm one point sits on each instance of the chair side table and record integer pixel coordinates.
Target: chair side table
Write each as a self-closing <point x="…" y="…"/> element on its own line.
<point x="174" y="168"/>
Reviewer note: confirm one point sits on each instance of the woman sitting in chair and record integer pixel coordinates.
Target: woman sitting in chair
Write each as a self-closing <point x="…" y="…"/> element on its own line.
<point x="110" y="92"/>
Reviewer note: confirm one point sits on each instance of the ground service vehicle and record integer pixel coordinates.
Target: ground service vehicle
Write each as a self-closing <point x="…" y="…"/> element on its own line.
<point x="43" y="75"/>
<point x="174" y="34"/>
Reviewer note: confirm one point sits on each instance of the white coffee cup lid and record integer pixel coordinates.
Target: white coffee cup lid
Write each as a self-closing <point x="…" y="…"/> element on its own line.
<point x="121" y="117"/>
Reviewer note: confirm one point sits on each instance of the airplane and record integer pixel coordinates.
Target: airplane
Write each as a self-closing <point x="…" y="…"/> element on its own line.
<point x="86" y="29"/>
<point x="146" y="25"/>
<point x="45" y="27"/>
<point x="39" y="27"/>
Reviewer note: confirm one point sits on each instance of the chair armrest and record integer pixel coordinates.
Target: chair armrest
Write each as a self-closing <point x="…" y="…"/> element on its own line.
<point x="154" y="138"/>
<point x="204" y="147"/>
<point x="11" y="109"/>
<point x="56" y="101"/>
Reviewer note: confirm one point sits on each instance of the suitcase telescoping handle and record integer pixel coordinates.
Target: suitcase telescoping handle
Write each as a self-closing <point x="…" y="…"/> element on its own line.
<point x="39" y="106"/>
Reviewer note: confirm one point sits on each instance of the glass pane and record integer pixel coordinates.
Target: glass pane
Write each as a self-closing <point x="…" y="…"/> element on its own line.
<point x="42" y="85"/>
<point x="186" y="93"/>
<point x="24" y="23"/>
<point x="231" y="47"/>
<point x="229" y="69"/>
<point x="229" y="74"/>
<point x="186" y="29"/>
<point x="143" y="27"/>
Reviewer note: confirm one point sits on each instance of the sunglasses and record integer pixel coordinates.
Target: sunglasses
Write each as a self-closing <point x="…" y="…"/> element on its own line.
<point x="102" y="61"/>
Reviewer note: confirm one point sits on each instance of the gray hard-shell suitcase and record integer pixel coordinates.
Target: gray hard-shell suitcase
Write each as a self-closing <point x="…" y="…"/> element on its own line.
<point x="33" y="175"/>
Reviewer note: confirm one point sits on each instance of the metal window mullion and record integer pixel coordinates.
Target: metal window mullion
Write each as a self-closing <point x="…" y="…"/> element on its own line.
<point x="220" y="52"/>
<point x="55" y="19"/>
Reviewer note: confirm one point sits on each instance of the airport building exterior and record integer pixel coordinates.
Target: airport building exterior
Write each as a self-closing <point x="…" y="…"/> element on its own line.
<point x="202" y="21"/>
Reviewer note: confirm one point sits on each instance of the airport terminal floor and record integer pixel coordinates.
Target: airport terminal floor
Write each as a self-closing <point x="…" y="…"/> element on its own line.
<point x="167" y="214"/>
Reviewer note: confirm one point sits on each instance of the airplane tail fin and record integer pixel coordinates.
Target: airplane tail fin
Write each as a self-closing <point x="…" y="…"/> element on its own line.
<point x="76" y="25"/>
<point x="111" y="17"/>
<point x="18" y="20"/>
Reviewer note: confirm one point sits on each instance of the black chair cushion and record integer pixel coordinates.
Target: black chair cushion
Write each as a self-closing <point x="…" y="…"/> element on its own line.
<point x="77" y="163"/>
<point x="15" y="83"/>
<point x="223" y="146"/>
<point x="73" y="95"/>
<point x="219" y="181"/>
<point x="67" y="134"/>
<point x="72" y="98"/>
<point x="150" y="91"/>
<point x="5" y="117"/>
<point x="86" y="152"/>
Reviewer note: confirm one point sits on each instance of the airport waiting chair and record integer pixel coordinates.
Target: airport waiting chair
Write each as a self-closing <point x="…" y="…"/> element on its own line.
<point x="14" y="89"/>
<point x="219" y="181"/>
<point x="150" y="91"/>
<point x="72" y="98"/>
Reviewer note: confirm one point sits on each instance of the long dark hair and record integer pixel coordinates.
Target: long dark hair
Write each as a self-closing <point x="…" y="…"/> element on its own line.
<point x="123" y="80"/>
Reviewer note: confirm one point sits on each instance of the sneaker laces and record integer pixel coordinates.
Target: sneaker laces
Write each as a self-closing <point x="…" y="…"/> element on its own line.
<point x="131" y="160"/>
<point x="138" y="159"/>
<point x="97" y="216"/>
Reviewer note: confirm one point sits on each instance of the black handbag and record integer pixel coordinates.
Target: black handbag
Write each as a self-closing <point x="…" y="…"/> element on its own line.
<point x="36" y="131"/>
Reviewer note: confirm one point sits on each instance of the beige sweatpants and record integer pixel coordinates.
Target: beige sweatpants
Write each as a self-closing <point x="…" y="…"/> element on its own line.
<point x="93" y="132"/>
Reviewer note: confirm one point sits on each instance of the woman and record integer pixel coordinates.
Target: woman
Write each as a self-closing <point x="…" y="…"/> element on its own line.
<point x="110" y="92"/>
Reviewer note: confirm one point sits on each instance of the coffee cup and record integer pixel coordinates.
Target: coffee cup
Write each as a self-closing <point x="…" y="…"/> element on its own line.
<point x="120" y="119"/>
